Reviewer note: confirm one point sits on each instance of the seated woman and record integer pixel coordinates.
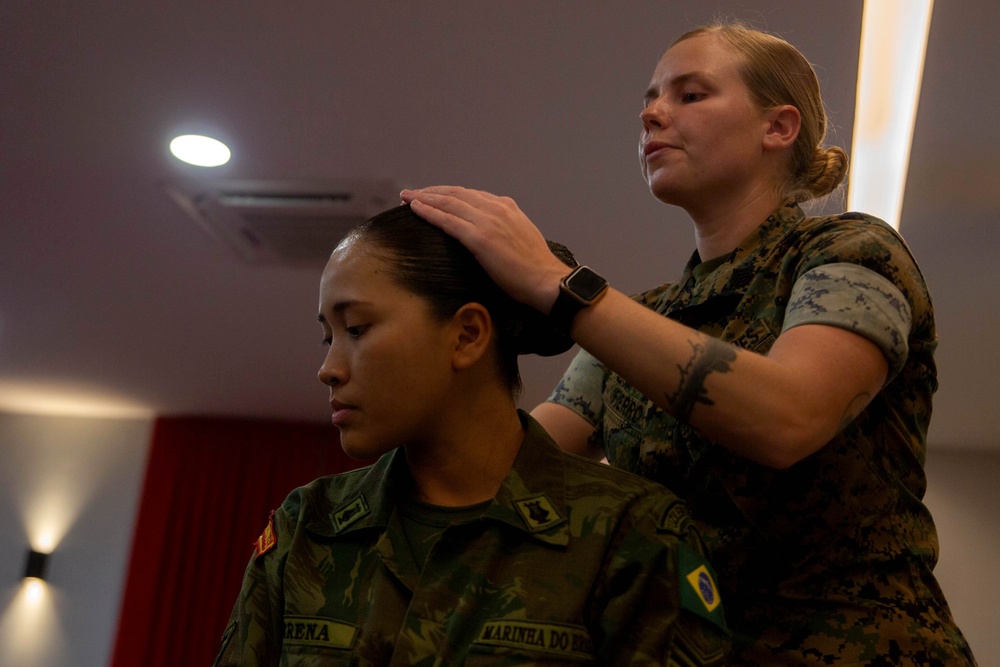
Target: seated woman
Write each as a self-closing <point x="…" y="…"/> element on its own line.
<point x="473" y="538"/>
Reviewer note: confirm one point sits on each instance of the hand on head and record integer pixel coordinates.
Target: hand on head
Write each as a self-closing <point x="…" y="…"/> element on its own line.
<point x="499" y="235"/>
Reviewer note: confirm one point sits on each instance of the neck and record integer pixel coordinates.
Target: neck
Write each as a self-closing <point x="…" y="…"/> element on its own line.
<point x="466" y="461"/>
<point x="720" y="226"/>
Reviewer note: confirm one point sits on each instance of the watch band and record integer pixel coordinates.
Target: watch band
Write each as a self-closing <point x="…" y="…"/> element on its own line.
<point x="581" y="288"/>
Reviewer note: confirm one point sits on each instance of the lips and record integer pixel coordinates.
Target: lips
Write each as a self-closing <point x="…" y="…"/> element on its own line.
<point x="651" y="147"/>
<point x="341" y="412"/>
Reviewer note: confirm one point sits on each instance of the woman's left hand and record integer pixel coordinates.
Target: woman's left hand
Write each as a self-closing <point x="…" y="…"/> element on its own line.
<point x="501" y="237"/>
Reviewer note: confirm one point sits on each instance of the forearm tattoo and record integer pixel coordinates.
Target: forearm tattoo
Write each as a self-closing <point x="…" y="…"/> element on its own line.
<point x="708" y="355"/>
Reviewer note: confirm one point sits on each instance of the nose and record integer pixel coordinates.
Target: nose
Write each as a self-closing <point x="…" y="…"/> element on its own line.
<point x="333" y="371"/>
<point x="654" y="115"/>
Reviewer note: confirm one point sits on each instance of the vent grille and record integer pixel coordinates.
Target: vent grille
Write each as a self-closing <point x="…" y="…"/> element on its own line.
<point x="284" y="222"/>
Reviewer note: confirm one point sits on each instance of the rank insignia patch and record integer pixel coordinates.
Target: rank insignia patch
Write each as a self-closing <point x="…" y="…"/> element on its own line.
<point x="348" y="514"/>
<point x="538" y="513"/>
<point x="267" y="540"/>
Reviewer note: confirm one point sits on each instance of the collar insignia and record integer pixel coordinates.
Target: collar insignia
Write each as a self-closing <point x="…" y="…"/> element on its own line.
<point x="538" y="512"/>
<point x="348" y="514"/>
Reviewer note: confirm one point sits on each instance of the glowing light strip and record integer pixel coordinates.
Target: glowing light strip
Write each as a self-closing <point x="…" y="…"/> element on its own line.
<point x="891" y="63"/>
<point x="67" y="400"/>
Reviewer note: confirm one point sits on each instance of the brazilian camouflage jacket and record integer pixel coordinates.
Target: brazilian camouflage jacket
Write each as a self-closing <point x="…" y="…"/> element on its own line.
<point x="573" y="562"/>
<point x="829" y="561"/>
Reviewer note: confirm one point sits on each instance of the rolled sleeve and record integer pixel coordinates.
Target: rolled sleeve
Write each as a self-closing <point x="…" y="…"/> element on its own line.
<point x="581" y="387"/>
<point x="855" y="298"/>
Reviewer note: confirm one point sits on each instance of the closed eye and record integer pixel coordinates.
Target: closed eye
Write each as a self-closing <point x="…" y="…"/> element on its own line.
<point x="357" y="330"/>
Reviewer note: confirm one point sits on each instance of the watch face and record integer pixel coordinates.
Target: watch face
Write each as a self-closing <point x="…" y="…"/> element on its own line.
<point x="586" y="284"/>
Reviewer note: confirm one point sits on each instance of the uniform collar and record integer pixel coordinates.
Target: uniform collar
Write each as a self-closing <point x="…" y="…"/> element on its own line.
<point x="733" y="273"/>
<point x="531" y="499"/>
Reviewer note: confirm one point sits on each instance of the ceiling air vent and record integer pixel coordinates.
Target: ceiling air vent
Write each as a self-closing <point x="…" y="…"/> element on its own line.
<point x="283" y="222"/>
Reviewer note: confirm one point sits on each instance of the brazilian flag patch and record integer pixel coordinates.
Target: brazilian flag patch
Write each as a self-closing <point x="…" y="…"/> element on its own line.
<point x="699" y="593"/>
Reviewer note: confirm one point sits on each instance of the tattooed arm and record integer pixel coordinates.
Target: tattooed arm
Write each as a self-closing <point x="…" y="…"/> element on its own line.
<point x="775" y="409"/>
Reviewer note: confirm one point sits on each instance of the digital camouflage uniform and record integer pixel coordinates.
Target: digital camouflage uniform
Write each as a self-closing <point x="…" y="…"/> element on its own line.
<point x="571" y="563"/>
<point x="829" y="561"/>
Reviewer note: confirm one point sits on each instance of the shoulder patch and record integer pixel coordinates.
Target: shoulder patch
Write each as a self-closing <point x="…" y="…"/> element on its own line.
<point x="699" y="593"/>
<point x="674" y="519"/>
<point x="267" y="540"/>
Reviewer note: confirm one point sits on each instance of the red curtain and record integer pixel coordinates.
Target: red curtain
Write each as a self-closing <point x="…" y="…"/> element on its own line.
<point x="210" y="485"/>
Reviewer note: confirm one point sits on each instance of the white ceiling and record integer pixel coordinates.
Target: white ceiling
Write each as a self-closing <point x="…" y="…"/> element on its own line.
<point x="111" y="297"/>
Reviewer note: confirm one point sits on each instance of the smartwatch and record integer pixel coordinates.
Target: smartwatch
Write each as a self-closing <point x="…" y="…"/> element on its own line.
<point x="581" y="288"/>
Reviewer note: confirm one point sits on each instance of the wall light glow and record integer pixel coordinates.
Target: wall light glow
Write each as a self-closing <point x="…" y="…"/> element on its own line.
<point x="61" y="399"/>
<point x="49" y="515"/>
<point x="33" y="591"/>
<point x="52" y="507"/>
<point x="891" y="63"/>
<point x="29" y="627"/>
<point x="200" y="151"/>
<point x="45" y="541"/>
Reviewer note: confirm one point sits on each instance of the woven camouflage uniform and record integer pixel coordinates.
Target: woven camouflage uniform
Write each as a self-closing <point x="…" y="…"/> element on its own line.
<point x="573" y="562"/>
<point x="829" y="561"/>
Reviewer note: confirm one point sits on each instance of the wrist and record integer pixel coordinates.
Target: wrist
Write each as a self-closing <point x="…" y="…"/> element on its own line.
<point x="579" y="289"/>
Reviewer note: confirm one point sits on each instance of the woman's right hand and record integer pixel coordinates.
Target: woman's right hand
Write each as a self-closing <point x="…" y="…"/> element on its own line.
<point x="501" y="237"/>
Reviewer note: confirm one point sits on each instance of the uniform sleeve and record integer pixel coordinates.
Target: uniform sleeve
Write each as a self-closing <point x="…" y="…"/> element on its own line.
<point x="254" y="633"/>
<point x="581" y="387"/>
<point x="658" y="600"/>
<point x="855" y="298"/>
<point x="857" y="273"/>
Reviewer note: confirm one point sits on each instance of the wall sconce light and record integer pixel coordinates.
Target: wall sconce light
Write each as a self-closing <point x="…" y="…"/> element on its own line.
<point x="35" y="566"/>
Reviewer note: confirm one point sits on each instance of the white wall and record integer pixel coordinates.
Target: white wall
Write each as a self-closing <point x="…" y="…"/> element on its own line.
<point x="963" y="495"/>
<point x="78" y="480"/>
<point x="93" y="468"/>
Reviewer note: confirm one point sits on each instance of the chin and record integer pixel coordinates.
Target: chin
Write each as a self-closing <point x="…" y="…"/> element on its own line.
<point x="660" y="188"/>
<point x="663" y="194"/>
<point x="360" y="450"/>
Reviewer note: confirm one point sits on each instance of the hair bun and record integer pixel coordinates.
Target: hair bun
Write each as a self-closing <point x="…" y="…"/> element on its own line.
<point x="536" y="334"/>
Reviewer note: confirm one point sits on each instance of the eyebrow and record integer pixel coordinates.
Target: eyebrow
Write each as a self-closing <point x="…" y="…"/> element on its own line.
<point x="341" y="306"/>
<point x="679" y="80"/>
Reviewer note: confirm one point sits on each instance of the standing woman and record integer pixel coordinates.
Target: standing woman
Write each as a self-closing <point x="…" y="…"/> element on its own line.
<point x="473" y="539"/>
<point x="782" y="385"/>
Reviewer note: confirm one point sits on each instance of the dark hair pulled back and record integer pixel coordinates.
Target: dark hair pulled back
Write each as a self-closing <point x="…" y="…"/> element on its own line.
<point x="430" y="263"/>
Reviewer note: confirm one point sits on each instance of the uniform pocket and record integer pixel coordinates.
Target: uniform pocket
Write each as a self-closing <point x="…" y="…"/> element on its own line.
<point x="317" y="656"/>
<point x="480" y="656"/>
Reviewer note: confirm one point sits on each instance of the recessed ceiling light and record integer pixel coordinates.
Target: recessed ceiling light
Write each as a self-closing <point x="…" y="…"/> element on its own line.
<point x="200" y="151"/>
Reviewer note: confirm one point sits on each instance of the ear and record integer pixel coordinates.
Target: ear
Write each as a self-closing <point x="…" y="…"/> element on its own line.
<point x="474" y="335"/>
<point x="783" y="123"/>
